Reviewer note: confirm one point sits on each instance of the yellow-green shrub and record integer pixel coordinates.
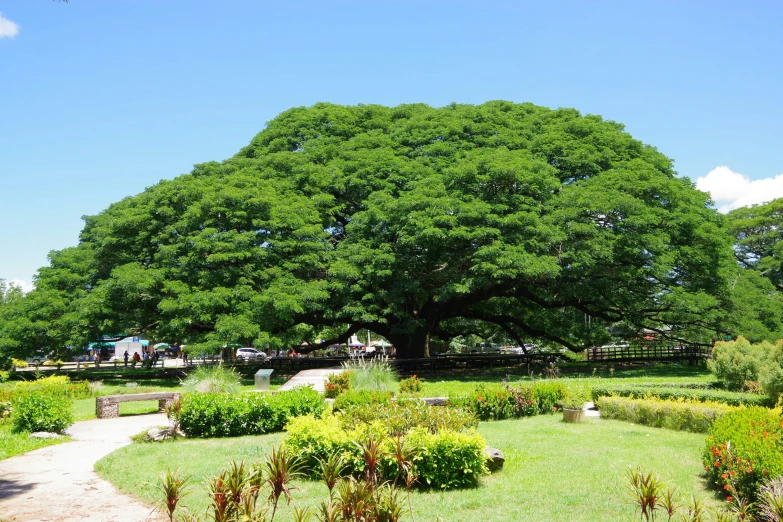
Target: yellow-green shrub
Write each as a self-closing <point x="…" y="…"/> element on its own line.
<point x="678" y="414"/>
<point x="19" y="363"/>
<point x="55" y="386"/>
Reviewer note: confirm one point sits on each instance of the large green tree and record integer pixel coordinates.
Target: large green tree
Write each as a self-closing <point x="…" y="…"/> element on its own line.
<point x="417" y="223"/>
<point x="759" y="234"/>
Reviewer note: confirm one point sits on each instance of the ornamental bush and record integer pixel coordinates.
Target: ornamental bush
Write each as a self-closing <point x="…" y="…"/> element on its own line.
<point x="678" y="415"/>
<point x="353" y="398"/>
<point x="411" y="385"/>
<point x="337" y="383"/>
<point x="444" y="460"/>
<point x="228" y="415"/>
<point x="744" y="448"/>
<point x="499" y="402"/>
<point x="674" y="392"/>
<point x="401" y="417"/>
<point x="56" y="386"/>
<point x="5" y="403"/>
<point x="42" y="412"/>
<point x="547" y="394"/>
<point x="736" y="362"/>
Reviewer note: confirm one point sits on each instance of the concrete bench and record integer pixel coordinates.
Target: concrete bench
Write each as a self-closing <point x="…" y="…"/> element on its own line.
<point x="109" y="406"/>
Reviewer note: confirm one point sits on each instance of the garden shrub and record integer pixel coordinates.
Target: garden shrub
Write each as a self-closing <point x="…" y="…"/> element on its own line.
<point x="4" y="374"/>
<point x="227" y="415"/>
<point x="448" y="459"/>
<point x="499" y="402"/>
<point x="404" y="415"/>
<point x="443" y="460"/>
<point x="51" y="362"/>
<point x="361" y="398"/>
<point x="771" y="375"/>
<point x="678" y="414"/>
<point x="41" y="412"/>
<point x="735" y="362"/>
<point x="55" y="385"/>
<point x="18" y="363"/>
<point x="547" y="394"/>
<point x="337" y="383"/>
<point x="5" y="403"/>
<point x="732" y="398"/>
<point x="744" y="448"/>
<point x="411" y="385"/>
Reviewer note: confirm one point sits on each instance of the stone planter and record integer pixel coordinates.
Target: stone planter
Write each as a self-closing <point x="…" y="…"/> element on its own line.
<point x="573" y="415"/>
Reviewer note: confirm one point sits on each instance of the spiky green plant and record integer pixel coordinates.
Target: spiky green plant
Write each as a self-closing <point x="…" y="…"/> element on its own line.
<point x="331" y="469"/>
<point x="174" y="487"/>
<point x="372" y="374"/>
<point x="645" y="489"/>
<point x="280" y="469"/>
<point x="770" y="503"/>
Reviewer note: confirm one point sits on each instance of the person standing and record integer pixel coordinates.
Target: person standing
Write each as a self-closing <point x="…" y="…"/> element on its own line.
<point x="125" y="358"/>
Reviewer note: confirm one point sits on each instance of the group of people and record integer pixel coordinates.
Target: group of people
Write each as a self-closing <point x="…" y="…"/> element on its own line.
<point x="147" y="359"/>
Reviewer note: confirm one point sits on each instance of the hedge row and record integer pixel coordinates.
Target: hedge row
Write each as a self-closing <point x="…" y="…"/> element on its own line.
<point x="675" y="392"/>
<point x="226" y="415"/>
<point x="679" y="414"/>
<point x="444" y="460"/>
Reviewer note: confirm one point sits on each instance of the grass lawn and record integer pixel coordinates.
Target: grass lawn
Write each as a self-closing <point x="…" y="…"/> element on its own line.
<point x="554" y="471"/>
<point x="17" y="443"/>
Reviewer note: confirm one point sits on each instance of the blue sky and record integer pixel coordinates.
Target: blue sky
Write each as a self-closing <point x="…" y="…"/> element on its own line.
<point x="102" y="98"/>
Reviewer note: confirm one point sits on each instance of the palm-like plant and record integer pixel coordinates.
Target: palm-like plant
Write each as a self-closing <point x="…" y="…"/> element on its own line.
<point x="280" y="469"/>
<point x="174" y="487"/>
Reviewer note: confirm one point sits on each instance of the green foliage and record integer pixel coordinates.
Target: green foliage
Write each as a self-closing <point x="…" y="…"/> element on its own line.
<point x="548" y="394"/>
<point x="771" y="375"/>
<point x="411" y="221"/>
<point x="743" y="449"/>
<point x="42" y="412"/>
<point x="411" y="385"/>
<point x="4" y="375"/>
<point x="225" y="415"/>
<point x="18" y="363"/>
<point x="499" y="402"/>
<point x="448" y="459"/>
<point x="353" y="397"/>
<point x="54" y="385"/>
<point x="740" y="364"/>
<point x="372" y="374"/>
<point x="758" y="232"/>
<point x="212" y="379"/>
<point x="402" y="416"/>
<point x="445" y="460"/>
<point x="675" y="392"/>
<point x="672" y="414"/>
<point x="736" y="362"/>
<point x="6" y="400"/>
<point x="337" y="383"/>
<point x="52" y="362"/>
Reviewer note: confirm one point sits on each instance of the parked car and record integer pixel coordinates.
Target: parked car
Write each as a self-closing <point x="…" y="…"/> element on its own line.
<point x="249" y="354"/>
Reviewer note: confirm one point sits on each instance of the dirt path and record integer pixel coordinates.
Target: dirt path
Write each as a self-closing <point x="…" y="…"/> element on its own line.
<point x="57" y="483"/>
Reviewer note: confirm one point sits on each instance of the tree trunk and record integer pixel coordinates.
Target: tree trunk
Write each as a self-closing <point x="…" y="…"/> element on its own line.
<point x="411" y="346"/>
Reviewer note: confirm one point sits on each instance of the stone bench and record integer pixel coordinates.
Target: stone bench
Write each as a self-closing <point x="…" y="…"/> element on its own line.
<point x="109" y="406"/>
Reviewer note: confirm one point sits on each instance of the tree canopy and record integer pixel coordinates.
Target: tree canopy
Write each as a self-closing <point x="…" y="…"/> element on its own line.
<point x="420" y="224"/>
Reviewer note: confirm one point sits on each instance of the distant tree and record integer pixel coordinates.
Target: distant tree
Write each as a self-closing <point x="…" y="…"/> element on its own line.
<point x="759" y="233"/>
<point x="416" y="223"/>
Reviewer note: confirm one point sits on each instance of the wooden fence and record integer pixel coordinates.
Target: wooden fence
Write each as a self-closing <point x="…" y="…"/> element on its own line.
<point x="651" y="352"/>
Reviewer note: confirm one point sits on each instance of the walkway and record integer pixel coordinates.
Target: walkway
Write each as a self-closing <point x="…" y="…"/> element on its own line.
<point x="314" y="377"/>
<point x="57" y="483"/>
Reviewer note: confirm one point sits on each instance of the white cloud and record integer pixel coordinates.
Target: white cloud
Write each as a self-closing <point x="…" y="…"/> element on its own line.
<point x="8" y="29"/>
<point x="26" y="286"/>
<point x="732" y="190"/>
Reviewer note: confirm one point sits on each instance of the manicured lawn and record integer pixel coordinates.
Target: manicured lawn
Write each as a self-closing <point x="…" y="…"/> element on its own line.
<point x="554" y="471"/>
<point x="17" y="443"/>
